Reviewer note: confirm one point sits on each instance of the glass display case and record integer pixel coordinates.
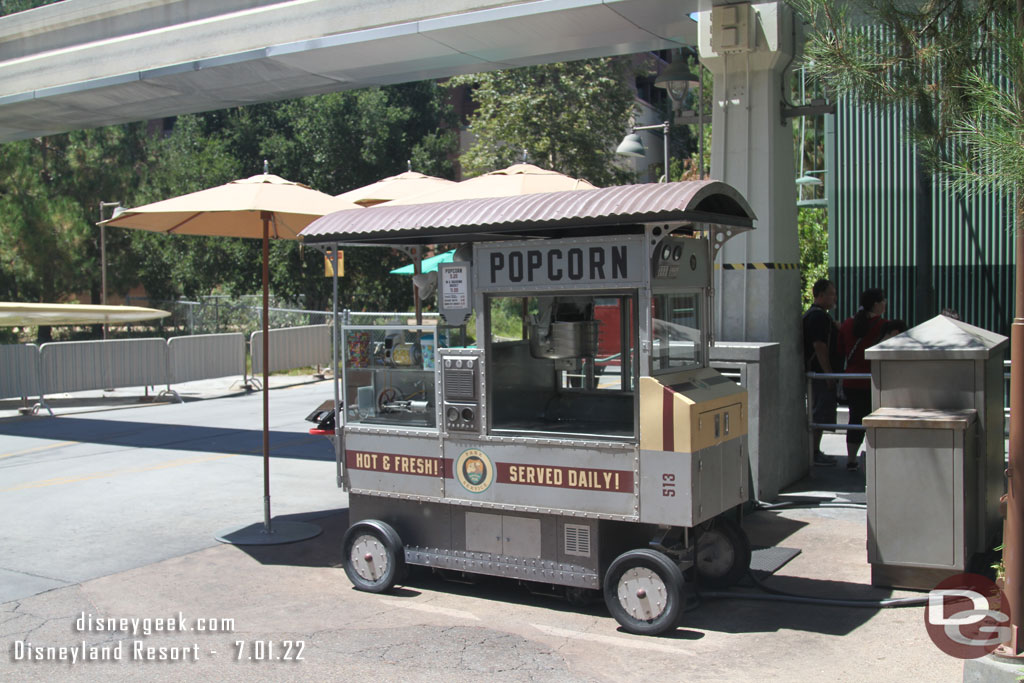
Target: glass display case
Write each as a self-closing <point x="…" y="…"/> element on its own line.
<point x="388" y="374"/>
<point x="562" y="365"/>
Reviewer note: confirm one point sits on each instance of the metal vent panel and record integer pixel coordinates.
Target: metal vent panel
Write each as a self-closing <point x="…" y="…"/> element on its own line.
<point x="577" y="540"/>
<point x="460" y="385"/>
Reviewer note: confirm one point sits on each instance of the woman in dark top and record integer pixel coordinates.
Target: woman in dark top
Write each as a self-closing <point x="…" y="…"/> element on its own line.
<point x="856" y="334"/>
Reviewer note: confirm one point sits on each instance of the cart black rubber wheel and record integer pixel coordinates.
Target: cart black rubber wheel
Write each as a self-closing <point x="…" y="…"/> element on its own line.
<point x="723" y="553"/>
<point x="374" y="558"/>
<point x="644" y="591"/>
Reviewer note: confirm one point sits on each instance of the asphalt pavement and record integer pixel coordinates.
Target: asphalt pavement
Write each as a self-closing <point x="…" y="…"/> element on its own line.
<point x="110" y="511"/>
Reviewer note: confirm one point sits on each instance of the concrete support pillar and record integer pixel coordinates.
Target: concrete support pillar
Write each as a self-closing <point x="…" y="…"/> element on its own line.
<point x="748" y="47"/>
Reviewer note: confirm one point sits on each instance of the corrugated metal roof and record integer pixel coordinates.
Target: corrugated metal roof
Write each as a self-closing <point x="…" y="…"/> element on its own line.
<point x="536" y="215"/>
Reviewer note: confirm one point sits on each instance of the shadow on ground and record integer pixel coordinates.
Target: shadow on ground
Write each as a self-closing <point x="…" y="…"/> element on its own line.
<point x="211" y="439"/>
<point x="734" y="614"/>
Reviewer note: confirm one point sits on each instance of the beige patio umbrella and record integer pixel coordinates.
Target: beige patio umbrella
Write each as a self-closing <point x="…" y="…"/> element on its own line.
<point x="17" y="314"/>
<point x="395" y="187"/>
<point x="506" y="182"/>
<point x="263" y="206"/>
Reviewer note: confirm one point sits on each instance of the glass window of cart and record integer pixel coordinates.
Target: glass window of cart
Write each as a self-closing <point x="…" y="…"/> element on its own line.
<point x="389" y="375"/>
<point x="562" y="364"/>
<point x="676" y="332"/>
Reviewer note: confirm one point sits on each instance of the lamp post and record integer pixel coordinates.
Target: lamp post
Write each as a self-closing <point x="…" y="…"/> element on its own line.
<point x="678" y="80"/>
<point x="633" y="146"/>
<point x="103" y="254"/>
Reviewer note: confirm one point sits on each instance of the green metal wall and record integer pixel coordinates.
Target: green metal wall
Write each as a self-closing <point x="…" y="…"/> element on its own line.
<point x="871" y="227"/>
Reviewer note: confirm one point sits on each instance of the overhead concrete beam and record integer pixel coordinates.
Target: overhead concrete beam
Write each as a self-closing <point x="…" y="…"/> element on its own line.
<point x="86" y="63"/>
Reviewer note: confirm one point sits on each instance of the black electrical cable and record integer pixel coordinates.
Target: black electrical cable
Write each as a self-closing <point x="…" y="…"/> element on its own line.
<point x="775" y="595"/>
<point x="786" y="504"/>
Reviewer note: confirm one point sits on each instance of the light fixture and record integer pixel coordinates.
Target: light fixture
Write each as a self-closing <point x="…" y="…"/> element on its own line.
<point x="808" y="180"/>
<point x="678" y="80"/>
<point x="633" y="146"/>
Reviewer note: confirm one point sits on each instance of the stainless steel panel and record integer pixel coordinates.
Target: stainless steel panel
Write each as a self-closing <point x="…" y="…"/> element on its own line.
<point x="707" y="492"/>
<point x="735" y="473"/>
<point x="521" y="536"/>
<point x="667" y="488"/>
<point x="943" y="384"/>
<point x="916" y="497"/>
<point x="484" y="533"/>
<point x="564" y="339"/>
<point x="685" y="489"/>
<point x="418" y="523"/>
<point x="462" y="375"/>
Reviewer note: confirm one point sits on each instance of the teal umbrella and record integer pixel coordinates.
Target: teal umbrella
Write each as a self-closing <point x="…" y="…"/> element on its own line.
<point x="427" y="265"/>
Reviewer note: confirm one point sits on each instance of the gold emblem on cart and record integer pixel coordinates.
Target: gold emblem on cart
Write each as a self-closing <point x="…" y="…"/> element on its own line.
<point x="474" y="470"/>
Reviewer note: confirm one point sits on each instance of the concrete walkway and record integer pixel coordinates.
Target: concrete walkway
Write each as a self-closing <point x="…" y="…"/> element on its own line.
<point x="267" y="606"/>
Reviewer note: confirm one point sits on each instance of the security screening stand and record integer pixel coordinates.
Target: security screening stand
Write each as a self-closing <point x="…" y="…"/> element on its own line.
<point x="582" y="441"/>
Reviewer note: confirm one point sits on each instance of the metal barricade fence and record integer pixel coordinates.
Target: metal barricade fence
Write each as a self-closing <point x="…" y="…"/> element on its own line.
<point x="85" y="365"/>
<point x="292" y="347"/>
<point x="19" y="371"/>
<point x="206" y="356"/>
<point x="27" y="370"/>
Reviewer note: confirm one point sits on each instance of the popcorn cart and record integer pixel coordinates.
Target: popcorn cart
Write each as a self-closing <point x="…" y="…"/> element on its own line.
<point x="561" y="425"/>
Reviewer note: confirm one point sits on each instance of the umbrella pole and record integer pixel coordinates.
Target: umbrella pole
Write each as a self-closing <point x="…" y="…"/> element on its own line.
<point x="417" y="269"/>
<point x="265" y="215"/>
<point x="287" y="531"/>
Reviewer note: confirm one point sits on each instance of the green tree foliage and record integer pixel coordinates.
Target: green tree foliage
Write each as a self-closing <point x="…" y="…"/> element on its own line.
<point x="50" y="192"/>
<point x="813" y="226"/>
<point x="12" y="6"/>
<point x="190" y="159"/>
<point x="919" y="55"/>
<point x="333" y="143"/>
<point x="568" y="117"/>
<point x="989" y="135"/>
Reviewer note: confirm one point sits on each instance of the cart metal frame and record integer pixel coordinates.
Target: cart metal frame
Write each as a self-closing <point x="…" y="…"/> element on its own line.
<point x="531" y="457"/>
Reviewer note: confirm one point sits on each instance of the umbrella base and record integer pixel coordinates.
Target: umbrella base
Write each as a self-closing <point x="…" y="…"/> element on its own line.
<point x="279" y="533"/>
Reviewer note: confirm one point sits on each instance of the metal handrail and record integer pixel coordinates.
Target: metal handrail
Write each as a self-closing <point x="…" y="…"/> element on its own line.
<point x="811" y="425"/>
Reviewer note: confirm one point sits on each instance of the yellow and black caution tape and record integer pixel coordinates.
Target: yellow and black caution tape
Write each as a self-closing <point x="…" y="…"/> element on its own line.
<point x="758" y="266"/>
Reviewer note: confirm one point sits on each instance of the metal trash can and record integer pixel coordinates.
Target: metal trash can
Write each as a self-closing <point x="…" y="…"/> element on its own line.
<point x="935" y="455"/>
<point x="920" y="475"/>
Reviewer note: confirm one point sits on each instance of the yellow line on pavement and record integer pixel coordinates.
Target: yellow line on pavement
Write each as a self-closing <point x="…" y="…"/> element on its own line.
<point x="39" y="448"/>
<point x="113" y="473"/>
